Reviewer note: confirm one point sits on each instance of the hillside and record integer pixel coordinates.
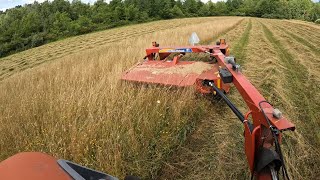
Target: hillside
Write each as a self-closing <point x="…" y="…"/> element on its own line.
<point x="41" y="22"/>
<point x="65" y="98"/>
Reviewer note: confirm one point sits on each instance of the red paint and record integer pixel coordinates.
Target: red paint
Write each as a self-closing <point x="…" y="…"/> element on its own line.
<point x="252" y="97"/>
<point x="32" y="166"/>
<point x="146" y="71"/>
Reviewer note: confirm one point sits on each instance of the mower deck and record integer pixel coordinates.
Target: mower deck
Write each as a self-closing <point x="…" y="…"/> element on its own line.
<point x="183" y="73"/>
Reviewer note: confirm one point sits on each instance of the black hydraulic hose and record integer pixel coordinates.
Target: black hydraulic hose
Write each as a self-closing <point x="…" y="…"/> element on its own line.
<point x="229" y="103"/>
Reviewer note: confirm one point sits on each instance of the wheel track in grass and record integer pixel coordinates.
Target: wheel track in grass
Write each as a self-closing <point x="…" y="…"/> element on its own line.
<point x="300" y="149"/>
<point x="240" y="46"/>
<point x="206" y="154"/>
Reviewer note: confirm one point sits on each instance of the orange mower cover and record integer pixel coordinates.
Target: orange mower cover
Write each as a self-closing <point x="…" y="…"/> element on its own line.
<point x="40" y="166"/>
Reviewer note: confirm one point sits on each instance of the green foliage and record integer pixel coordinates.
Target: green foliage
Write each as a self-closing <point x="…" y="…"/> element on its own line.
<point x="267" y="8"/>
<point x="131" y="12"/>
<point x="35" y="24"/>
<point x="234" y="5"/>
<point x="166" y="10"/>
<point x="299" y="8"/>
<point x="191" y="7"/>
<point x="204" y="10"/>
<point x="317" y="21"/>
<point x="61" y="24"/>
<point x="315" y="12"/>
<point x="82" y="25"/>
<point x="177" y="12"/>
<point x="221" y="8"/>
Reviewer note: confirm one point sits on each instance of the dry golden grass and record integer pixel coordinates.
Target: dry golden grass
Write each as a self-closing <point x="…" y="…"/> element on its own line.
<point x="215" y="149"/>
<point x="305" y="24"/>
<point x="77" y="108"/>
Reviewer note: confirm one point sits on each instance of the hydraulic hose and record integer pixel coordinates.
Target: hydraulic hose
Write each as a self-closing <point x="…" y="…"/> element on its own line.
<point x="234" y="109"/>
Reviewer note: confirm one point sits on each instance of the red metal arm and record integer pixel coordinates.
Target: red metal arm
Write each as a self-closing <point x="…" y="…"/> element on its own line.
<point x="252" y="97"/>
<point x="260" y="136"/>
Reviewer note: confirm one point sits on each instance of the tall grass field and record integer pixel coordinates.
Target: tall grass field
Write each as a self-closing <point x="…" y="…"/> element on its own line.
<point x="66" y="99"/>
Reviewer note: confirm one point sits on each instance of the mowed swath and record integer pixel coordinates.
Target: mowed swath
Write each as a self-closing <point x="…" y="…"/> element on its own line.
<point x="77" y="108"/>
<point x="277" y="65"/>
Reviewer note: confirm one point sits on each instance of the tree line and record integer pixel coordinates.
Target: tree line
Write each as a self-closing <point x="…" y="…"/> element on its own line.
<point x="32" y="25"/>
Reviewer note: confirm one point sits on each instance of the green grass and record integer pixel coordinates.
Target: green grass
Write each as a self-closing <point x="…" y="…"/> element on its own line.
<point x="239" y="48"/>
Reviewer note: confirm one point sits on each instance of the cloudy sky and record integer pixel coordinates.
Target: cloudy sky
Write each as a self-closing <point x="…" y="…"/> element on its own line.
<point x="5" y="4"/>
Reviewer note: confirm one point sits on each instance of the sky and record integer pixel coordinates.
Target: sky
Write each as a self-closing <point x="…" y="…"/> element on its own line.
<point x="5" y="4"/>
